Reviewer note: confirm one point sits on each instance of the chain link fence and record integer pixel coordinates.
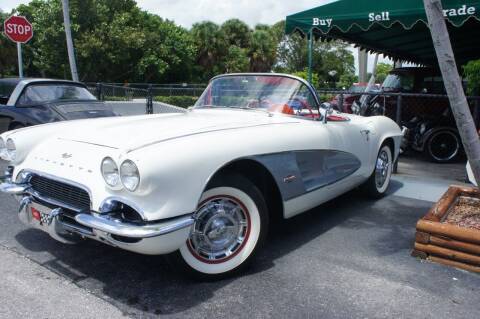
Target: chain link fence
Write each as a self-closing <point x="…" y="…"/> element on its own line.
<point x="400" y="107"/>
<point x="146" y="99"/>
<point x="429" y="128"/>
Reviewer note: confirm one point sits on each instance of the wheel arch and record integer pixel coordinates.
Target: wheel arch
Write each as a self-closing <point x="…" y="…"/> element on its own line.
<point x="391" y="143"/>
<point x="260" y="176"/>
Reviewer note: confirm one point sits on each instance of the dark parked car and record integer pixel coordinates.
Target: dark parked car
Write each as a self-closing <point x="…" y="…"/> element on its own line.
<point x="417" y="80"/>
<point x="430" y="126"/>
<point x="26" y="102"/>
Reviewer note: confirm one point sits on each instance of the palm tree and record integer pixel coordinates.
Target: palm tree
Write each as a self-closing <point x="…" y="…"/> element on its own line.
<point x="211" y="46"/>
<point x="262" y="51"/>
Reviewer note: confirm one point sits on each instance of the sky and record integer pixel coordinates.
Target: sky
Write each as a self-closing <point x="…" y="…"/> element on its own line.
<point x="188" y="12"/>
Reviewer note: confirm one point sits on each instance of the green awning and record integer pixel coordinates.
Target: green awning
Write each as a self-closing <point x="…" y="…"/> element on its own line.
<point x="396" y="28"/>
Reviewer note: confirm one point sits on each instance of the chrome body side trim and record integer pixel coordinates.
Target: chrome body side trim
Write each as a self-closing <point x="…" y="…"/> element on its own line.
<point x="312" y="169"/>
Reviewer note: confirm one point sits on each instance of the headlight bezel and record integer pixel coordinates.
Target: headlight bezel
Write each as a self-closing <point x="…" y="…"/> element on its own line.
<point x="130" y="175"/>
<point x="110" y="172"/>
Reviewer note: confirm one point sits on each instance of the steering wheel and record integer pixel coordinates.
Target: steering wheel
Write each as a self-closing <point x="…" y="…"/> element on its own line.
<point x="298" y="105"/>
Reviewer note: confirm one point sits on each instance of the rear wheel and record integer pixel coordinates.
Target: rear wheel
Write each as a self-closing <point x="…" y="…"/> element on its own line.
<point x="377" y="185"/>
<point x="443" y="146"/>
<point x="231" y="223"/>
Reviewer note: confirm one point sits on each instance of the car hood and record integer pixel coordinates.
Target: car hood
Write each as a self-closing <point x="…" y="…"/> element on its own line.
<point x="135" y="132"/>
<point x="82" y="110"/>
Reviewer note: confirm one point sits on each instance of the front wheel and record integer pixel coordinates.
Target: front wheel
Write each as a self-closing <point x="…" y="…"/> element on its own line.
<point x="231" y="223"/>
<point x="377" y="185"/>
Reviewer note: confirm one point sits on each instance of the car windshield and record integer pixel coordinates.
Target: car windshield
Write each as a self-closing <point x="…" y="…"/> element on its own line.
<point x="272" y="93"/>
<point x="41" y="93"/>
<point x="357" y="88"/>
<point x="398" y="82"/>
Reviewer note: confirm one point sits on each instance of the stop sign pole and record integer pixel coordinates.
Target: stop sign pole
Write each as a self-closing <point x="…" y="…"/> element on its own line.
<point x="19" y="30"/>
<point x="20" y="60"/>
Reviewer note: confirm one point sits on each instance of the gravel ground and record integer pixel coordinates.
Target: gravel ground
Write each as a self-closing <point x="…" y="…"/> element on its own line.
<point x="349" y="258"/>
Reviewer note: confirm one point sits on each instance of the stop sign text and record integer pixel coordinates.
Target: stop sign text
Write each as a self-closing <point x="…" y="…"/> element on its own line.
<point x="18" y="29"/>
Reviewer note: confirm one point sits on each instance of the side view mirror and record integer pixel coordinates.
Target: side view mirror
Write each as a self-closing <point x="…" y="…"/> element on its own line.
<point x="328" y="110"/>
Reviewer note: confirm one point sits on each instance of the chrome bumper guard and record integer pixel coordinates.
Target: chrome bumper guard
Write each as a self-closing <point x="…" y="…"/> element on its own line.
<point x="99" y="223"/>
<point x="6" y="185"/>
<point x="13" y="189"/>
<point x="116" y="227"/>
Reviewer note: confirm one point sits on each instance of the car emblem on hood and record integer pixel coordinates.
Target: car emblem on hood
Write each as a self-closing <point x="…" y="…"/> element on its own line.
<point x="66" y="155"/>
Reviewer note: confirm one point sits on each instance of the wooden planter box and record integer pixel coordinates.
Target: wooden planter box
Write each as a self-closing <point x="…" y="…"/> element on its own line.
<point x="450" y="232"/>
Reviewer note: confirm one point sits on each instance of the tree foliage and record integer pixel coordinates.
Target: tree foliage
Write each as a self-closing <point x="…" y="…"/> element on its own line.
<point x="292" y="56"/>
<point x="116" y="41"/>
<point x="8" y="52"/>
<point x="472" y="75"/>
<point x="382" y="71"/>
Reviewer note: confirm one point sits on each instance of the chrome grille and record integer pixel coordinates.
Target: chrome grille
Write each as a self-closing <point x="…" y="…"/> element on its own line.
<point x="61" y="192"/>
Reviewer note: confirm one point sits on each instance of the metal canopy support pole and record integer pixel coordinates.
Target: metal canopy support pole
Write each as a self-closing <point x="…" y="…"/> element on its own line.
<point x="310" y="55"/>
<point x="20" y="62"/>
<point x="453" y="84"/>
<point x="68" y="34"/>
<point x="362" y="65"/>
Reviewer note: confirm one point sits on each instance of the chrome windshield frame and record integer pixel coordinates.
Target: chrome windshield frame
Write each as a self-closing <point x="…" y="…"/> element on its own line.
<point x="306" y="83"/>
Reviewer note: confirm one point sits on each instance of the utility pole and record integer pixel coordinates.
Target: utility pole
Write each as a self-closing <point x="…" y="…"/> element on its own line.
<point x="453" y="84"/>
<point x="68" y="34"/>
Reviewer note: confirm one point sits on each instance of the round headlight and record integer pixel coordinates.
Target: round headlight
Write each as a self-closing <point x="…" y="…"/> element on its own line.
<point x="11" y="152"/>
<point x="129" y="175"/>
<point x="110" y="172"/>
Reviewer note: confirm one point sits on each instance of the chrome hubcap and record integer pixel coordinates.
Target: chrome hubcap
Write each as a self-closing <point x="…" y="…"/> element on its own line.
<point x="382" y="169"/>
<point x="221" y="228"/>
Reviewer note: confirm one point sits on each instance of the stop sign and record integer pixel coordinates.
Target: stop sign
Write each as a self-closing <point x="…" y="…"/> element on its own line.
<point x="18" y="29"/>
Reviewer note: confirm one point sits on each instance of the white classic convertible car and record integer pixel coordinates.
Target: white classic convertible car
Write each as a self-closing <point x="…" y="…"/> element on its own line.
<point x="204" y="183"/>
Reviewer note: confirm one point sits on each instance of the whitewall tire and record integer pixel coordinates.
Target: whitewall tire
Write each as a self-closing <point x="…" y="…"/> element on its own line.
<point x="231" y="224"/>
<point x="378" y="183"/>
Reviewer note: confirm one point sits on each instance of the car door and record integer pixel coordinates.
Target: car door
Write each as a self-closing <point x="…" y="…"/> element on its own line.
<point x="340" y="152"/>
<point x="354" y="139"/>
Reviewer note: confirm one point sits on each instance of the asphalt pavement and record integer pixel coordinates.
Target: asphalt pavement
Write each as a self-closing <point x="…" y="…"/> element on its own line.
<point x="349" y="258"/>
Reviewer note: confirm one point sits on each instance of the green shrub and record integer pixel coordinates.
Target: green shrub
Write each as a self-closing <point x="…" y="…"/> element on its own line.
<point x="181" y="101"/>
<point x="326" y="97"/>
<point x="116" y="98"/>
<point x="304" y="75"/>
<point x="471" y="72"/>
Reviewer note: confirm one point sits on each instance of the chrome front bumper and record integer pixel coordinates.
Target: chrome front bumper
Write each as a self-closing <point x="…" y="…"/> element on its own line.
<point x="147" y="238"/>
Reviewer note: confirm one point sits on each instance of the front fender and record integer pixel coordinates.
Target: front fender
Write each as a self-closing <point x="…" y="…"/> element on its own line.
<point x="385" y="128"/>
